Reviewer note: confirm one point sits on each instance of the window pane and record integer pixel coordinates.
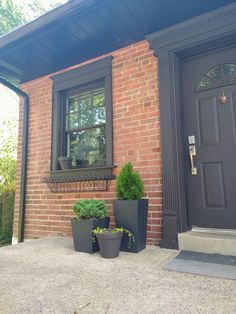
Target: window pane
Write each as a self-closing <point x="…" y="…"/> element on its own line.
<point x="220" y="75"/>
<point x="215" y="74"/>
<point x="86" y="109"/>
<point x="72" y="121"/>
<point x="229" y="71"/>
<point x="88" y="147"/>
<point x="99" y="112"/>
<point x="72" y="105"/>
<point x="206" y="82"/>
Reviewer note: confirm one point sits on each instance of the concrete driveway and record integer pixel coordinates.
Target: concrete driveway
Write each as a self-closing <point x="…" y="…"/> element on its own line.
<point x="47" y="276"/>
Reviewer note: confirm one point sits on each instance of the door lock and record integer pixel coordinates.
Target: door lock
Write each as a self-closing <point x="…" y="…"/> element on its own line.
<point x="192" y="152"/>
<point x="191" y="139"/>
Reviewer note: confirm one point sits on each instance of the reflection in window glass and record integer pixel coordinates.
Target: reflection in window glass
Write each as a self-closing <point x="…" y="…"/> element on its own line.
<point x="220" y="75"/>
<point x="86" y="110"/>
<point x="86" y="128"/>
<point x="88" y="147"/>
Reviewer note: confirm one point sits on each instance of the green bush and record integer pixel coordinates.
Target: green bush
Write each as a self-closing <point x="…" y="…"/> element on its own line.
<point x="129" y="185"/>
<point x="90" y="208"/>
<point x="7" y="208"/>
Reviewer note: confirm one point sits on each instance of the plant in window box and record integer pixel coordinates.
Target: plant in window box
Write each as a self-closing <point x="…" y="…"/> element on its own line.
<point x="110" y="240"/>
<point x="131" y="209"/>
<point x="90" y="214"/>
<point x="65" y="162"/>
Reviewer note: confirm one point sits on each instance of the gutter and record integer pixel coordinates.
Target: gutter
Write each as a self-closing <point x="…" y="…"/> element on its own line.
<point x="21" y="217"/>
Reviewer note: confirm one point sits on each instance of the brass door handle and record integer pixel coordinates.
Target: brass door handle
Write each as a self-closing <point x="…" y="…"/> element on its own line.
<point x="192" y="152"/>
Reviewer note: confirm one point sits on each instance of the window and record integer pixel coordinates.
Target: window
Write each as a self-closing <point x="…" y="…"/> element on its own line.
<point x="82" y="117"/>
<point x="86" y="127"/>
<point x="220" y="75"/>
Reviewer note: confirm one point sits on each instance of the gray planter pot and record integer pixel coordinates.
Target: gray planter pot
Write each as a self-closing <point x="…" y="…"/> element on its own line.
<point x="65" y="163"/>
<point x="82" y="233"/>
<point x="109" y="244"/>
<point x="132" y="215"/>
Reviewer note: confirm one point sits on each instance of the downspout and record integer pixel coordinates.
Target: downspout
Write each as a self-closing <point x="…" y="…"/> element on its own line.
<point x="21" y="219"/>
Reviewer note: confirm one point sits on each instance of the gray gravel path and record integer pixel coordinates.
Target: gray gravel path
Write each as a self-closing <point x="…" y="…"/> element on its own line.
<point x="47" y="276"/>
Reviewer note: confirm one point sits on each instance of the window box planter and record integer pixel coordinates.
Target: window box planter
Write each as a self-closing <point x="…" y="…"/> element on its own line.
<point x="132" y="215"/>
<point x="82" y="233"/>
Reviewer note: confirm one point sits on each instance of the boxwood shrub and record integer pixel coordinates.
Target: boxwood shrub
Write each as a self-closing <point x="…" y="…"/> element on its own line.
<point x="90" y="208"/>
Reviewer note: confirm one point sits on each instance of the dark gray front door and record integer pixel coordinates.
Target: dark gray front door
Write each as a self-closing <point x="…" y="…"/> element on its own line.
<point x="209" y="121"/>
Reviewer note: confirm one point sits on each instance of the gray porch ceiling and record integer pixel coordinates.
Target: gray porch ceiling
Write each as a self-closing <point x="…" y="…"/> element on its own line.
<point x="83" y="29"/>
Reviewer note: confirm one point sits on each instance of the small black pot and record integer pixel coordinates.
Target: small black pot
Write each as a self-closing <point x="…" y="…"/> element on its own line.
<point x="109" y="243"/>
<point x="132" y="215"/>
<point x="82" y="233"/>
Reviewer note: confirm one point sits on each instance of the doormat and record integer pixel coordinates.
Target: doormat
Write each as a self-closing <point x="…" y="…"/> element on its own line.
<point x="213" y="265"/>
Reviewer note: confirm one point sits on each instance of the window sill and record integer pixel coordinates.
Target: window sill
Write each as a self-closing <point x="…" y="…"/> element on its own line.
<point x="94" y="171"/>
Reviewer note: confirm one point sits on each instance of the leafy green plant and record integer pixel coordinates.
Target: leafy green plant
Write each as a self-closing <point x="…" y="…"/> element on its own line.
<point x="129" y="185"/>
<point x="90" y="208"/>
<point x="99" y="230"/>
<point x="6" y="212"/>
<point x="13" y="14"/>
<point x="8" y="143"/>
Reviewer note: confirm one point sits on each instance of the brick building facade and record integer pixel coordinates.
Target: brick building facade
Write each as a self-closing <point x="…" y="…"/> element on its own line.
<point x="136" y="138"/>
<point x="162" y="81"/>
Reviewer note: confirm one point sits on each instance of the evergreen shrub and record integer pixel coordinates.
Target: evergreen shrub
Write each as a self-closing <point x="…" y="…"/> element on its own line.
<point x="129" y="185"/>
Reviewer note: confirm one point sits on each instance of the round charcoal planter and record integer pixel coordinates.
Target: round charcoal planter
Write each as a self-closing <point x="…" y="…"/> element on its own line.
<point x="109" y="243"/>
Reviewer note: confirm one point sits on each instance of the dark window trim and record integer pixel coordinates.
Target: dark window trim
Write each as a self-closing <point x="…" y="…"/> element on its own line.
<point x="73" y="92"/>
<point x="68" y="82"/>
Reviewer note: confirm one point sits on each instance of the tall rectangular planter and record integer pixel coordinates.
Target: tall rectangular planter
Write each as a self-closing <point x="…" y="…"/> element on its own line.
<point x="132" y="215"/>
<point x="82" y="233"/>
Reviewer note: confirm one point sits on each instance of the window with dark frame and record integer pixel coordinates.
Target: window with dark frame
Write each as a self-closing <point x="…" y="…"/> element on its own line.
<point x="86" y="127"/>
<point x="82" y="118"/>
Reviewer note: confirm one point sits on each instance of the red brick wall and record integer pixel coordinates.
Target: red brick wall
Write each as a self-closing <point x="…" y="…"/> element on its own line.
<point x="136" y="138"/>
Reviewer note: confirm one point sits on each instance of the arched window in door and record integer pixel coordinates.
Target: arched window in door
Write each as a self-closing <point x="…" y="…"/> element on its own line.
<point x="220" y="75"/>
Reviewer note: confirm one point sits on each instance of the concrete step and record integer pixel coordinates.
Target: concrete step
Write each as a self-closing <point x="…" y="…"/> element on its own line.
<point x="208" y="242"/>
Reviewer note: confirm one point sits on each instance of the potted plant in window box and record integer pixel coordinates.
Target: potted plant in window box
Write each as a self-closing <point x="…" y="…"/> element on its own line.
<point x="90" y="214"/>
<point x="110" y="240"/>
<point x="65" y="162"/>
<point x="131" y="209"/>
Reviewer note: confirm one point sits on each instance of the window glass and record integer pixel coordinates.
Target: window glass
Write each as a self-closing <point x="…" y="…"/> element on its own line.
<point x="220" y="75"/>
<point x="86" y="128"/>
<point x="88" y="147"/>
<point x="86" y="110"/>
